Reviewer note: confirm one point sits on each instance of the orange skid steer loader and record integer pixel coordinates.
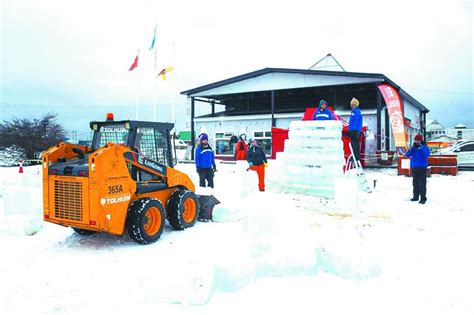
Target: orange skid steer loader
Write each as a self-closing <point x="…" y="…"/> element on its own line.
<point x="125" y="180"/>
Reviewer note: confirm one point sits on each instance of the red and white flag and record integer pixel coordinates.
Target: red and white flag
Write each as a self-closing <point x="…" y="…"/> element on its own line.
<point x="395" y="113"/>
<point x="134" y="64"/>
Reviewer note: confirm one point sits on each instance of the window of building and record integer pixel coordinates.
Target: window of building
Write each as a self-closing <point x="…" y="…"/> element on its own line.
<point x="264" y="138"/>
<point x="222" y="143"/>
<point x="467" y="148"/>
<point x="459" y="134"/>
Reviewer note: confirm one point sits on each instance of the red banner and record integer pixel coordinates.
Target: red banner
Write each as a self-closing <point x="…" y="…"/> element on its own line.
<point x="395" y="112"/>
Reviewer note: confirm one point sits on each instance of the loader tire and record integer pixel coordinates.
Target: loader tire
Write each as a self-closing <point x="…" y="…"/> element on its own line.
<point x="146" y="220"/>
<point x="83" y="232"/>
<point x="183" y="209"/>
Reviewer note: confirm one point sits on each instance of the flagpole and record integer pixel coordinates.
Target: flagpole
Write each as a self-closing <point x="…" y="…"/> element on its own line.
<point x="137" y="92"/>
<point x="172" y="92"/>
<point x="154" y="97"/>
<point x="154" y="79"/>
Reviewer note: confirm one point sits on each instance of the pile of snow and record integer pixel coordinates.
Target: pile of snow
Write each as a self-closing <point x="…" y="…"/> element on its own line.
<point x="346" y="192"/>
<point x="350" y="260"/>
<point x="284" y="251"/>
<point x="236" y="268"/>
<point x="177" y="281"/>
<point x="243" y="183"/>
<point x="22" y="212"/>
<point x="312" y="159"/>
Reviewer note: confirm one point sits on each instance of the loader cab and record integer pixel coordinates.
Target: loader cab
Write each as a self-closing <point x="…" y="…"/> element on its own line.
<point x="149" y="139"/>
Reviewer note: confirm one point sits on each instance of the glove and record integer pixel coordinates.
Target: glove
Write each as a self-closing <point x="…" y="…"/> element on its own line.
<point x="250" y="164"/>
<point x="197" y="170"/>
<point x="266" y="164"/>
<point x="214" y="169"/>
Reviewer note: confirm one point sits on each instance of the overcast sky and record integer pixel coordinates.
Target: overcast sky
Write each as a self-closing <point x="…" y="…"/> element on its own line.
<point x="72" y="57"/>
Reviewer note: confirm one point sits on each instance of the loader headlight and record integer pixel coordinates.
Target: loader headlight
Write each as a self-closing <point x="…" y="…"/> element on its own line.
<point x="93" y="167"/>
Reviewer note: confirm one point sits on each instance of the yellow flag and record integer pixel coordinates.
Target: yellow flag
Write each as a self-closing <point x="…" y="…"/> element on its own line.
<point x="164" y="72"/>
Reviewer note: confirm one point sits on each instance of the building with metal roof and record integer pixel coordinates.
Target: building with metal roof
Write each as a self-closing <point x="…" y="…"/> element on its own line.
<point x="255" y="102"/>
<point x="434" y="129"/>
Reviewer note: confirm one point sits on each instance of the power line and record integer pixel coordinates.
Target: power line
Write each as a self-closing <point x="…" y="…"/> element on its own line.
<point x="63" y="106"/>
<point x="441" y="91"/>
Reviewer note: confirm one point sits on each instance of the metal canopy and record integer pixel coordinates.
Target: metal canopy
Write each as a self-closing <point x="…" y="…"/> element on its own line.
<point x="264" y="81"/>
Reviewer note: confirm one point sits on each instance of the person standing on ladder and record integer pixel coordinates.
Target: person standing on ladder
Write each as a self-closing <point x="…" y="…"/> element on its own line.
<point x="355" y="128"/>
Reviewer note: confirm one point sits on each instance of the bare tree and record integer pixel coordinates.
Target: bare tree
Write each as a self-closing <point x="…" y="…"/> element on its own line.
<point x="32" y="136"/>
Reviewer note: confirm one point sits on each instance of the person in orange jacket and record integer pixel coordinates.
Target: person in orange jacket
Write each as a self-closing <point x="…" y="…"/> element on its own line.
<point x="257" y="162"/>
<point x="241" y="149"/>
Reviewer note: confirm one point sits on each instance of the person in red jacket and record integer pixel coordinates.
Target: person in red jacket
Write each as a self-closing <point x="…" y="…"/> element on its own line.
<point x="241" y="149"/>
<point x="257" y="162"/>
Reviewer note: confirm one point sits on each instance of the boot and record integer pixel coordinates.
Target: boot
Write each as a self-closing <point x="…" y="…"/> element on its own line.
<point x="423" y="201"/>
<point x="414" y="199"/>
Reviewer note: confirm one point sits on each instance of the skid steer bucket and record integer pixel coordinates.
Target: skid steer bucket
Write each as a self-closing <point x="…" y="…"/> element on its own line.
<point x="206" y="205"/>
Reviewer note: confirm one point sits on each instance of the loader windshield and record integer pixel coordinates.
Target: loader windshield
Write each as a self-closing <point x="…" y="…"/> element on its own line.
<point x="153" y="144"/>
<point x="116" y="133"/>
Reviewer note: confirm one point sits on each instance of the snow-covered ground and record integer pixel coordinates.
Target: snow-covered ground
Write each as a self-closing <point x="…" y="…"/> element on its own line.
<point x="271" y="252"/>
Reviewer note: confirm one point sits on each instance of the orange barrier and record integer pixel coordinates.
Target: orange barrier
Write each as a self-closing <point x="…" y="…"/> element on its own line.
<point x="444" y="164"/>
<point x="438" y="164"/>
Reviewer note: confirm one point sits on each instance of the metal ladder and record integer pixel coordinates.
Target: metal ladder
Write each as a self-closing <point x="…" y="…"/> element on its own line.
<point x="359" y="171"/>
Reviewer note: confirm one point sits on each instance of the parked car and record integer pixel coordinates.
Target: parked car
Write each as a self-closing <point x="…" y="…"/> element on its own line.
<point x="464" y="149"/>
<point x="180" y="144"/>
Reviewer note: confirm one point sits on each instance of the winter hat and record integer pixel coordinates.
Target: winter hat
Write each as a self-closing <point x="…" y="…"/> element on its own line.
<point x="204" y="136"/>
<point x="323" y="102"/>
<point x="418" y="137"/>
<point x="354" y="101"/>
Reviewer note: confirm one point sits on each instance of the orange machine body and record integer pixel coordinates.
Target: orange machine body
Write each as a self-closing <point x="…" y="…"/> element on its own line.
<point x="98" y="191"/>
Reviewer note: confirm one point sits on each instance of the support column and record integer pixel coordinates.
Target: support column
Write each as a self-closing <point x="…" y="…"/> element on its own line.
<point x="273" y="108"/>
<point x="423" y="125"/>
<point x="387" y="135"/>
<point x="213" y="107"/>
<point x="193" y="142"/>
<point x="379" y="119"/>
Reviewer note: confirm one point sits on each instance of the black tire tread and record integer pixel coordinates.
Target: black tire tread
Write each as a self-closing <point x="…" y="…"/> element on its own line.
<point x="175" y="209"/>
<point x="135" y="220"/>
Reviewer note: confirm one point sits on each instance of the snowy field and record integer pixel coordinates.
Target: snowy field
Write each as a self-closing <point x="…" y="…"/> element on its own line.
<point x="270" y="252"/>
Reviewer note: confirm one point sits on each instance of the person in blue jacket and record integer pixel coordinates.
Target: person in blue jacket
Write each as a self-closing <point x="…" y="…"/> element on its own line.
<point x="355" y="127"/>
<point x="205" y="164"/>
<point x="323" y="113"/>
<point x="418" y="155"/>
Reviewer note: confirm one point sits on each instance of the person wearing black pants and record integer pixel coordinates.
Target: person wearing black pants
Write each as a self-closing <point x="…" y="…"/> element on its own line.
<point x="205" y="163"/>
<point x="418" y="155"/>
<point x="206" y="174"/>
<point x="355" y="128"/>
<point x="419" y="184"/>
<point x="355" y="143"/>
